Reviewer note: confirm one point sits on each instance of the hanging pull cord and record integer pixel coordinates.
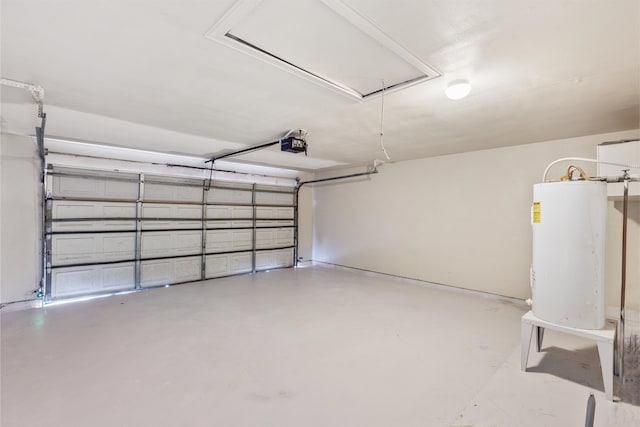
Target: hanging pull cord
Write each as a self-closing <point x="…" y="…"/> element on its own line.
<point x="384" y="150"/>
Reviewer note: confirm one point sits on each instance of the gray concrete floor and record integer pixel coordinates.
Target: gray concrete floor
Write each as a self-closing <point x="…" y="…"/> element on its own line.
<point x="313" y="346"/>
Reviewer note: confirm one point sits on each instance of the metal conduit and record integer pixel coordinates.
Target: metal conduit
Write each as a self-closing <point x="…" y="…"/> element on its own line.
<point x="623" y="280"/>
<point x="43" y="200"/>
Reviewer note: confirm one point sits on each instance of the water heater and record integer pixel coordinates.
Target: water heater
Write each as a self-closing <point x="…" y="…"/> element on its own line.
<point x="567" y="273"/>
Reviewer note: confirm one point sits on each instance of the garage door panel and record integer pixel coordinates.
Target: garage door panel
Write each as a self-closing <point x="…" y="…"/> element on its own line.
<point x="264" y="239"/>
<point x="263" y="212"/>
<point x="228" y="264"/>
<point x="274" y="216"/>
<point x="116" y="210"/>
<point x="113" y="245"/>
<point x="117" y="276"/>
<point x="230" y="212"/>
<point x="98" y="188"/>
<point x="119" y="189"/>
<point x="242" y="224"/>
<point x="65" y="209"/>
<point x="219" y="241"/>
<point x="219" y="212"/>
<point x="169" y="225"/>
<point x="68" y="281"/>
<point x="170" y="243"/>
<point x="270" y="238"/>
<point x="240" y="263"/>
<point x="188" y="269"/>
<point x="155" y="273"/>
<point x="217" y="265"/>
<point x="95" y="226"/>
<point x="189" y="242"/>
<point x="72" y="281"/>
<point x="77" y="186"/>
<point x="224" y="195"/>
<point x="168" y="192"/>
<point x="92" y="248"/>
<point x="242" y="212"/>
<point x="284" y="213"/>
<point x="274" y="259"/>
<point x="226" y="213"/>
<point x="168" y="271"/>
<point x="154" y="244"/>
<point x="229" y="240"/>
<point x="219" y="224"/>
<point x="274" y="198"/>
<point x="273" y="223"/>
<point x="268" y="212"/>
<point x="284" y="237"/>
<point x="242" y="239"/>
<point x="72" y="250"/>
<point x="157" y="210"/>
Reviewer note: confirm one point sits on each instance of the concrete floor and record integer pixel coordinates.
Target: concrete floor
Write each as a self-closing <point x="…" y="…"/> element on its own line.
<point x="314" y="346"/>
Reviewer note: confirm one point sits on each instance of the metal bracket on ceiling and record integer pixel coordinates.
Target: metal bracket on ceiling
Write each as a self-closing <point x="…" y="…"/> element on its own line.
<point x="36" y="91"/>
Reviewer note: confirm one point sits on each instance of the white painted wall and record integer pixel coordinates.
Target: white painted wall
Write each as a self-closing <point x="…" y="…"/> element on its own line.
<point x="460" y="220"/>
<point x="19" y="218"/>
<point x="305" y="221"/>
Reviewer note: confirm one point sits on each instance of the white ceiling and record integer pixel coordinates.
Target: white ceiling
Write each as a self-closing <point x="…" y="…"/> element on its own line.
<point x="142" y="74"/>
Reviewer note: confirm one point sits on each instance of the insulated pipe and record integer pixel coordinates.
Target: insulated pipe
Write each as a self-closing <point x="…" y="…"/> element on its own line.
<point x="333" y="178"/>
<point x="315" y="181"/>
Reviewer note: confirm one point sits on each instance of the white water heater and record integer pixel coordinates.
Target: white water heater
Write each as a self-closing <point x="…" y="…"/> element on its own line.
<point x="567" y="274"/>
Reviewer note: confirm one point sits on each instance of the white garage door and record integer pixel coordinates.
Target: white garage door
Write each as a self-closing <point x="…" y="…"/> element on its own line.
<point x="115" y="231"/>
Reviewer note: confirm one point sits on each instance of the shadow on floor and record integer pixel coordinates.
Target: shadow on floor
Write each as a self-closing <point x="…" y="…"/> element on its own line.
<point x="582" y="366"/>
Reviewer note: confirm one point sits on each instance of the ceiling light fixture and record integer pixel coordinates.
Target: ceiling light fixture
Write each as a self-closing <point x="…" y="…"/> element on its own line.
<point x="458" y="89"/>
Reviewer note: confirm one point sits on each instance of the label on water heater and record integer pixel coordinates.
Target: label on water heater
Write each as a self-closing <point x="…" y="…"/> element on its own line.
<point x="536" y="212"/>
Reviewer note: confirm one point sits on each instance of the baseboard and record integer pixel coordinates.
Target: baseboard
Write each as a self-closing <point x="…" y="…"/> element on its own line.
<point x="20" y="305"/>
<point x="450" y="288"/>
<point x="306" y="263"/>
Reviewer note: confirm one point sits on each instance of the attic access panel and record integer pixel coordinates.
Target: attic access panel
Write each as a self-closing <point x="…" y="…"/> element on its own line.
<point x="324" y="41"/>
